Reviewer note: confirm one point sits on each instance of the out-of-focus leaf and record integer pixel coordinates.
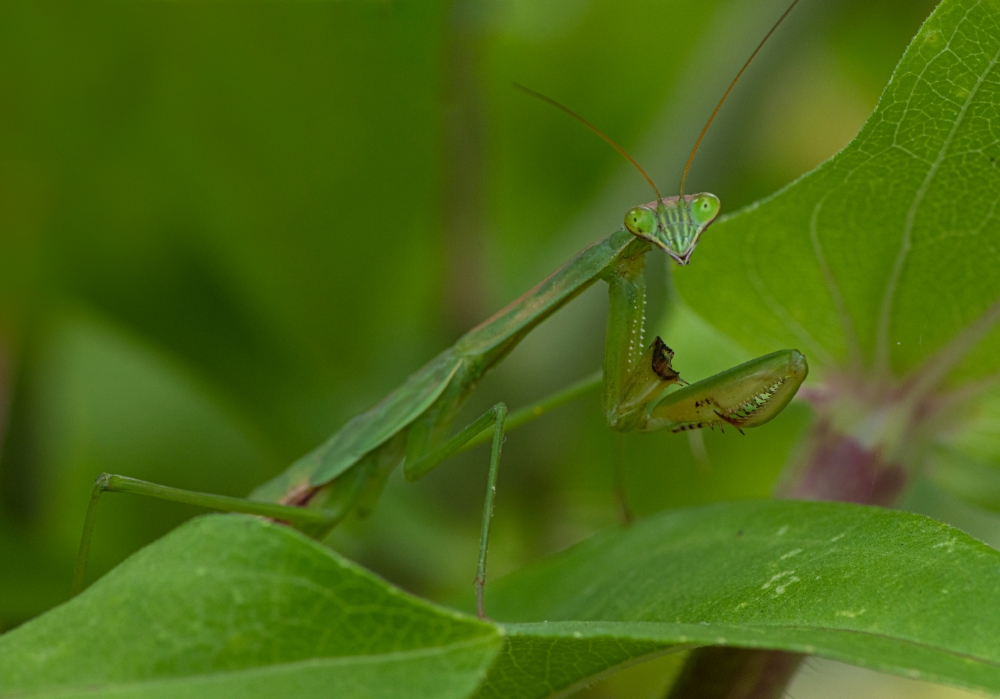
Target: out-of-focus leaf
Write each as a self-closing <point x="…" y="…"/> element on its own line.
<point x="29" y="582"/>
<point x="200" y="174"/>
<point x="967" y="461"/>
<point x="886" y="252"/>
<point x="111" y="403"/>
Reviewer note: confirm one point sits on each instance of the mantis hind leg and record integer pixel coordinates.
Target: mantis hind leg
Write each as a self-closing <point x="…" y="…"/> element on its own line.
<point x="418" y="465"/>
<point x="308" y="519"/>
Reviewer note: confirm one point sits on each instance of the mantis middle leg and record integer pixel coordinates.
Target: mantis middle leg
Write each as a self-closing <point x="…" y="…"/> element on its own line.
<point x="420" y="460"/>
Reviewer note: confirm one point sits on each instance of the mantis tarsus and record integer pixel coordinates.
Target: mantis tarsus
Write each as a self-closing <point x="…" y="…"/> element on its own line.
<point x="346" y="474"/>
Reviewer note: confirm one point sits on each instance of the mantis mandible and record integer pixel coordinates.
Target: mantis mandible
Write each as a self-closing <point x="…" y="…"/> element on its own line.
<point x="346" y="474"/>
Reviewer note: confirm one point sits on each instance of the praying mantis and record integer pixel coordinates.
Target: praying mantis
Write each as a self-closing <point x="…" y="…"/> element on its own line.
<point x="411" y="426"/>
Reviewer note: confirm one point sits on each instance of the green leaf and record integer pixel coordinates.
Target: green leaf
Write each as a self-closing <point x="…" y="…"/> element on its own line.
<point x="879" y="588"/>
<point x="236" y="606"/>
<point x="889" y="250"/>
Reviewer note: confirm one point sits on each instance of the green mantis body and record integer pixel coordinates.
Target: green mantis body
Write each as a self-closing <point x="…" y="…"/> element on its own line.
<point x="346" y="474"/>
<point x="411" y="425"/>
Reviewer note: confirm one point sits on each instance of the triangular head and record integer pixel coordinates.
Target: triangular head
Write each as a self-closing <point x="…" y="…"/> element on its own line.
<point x="674" y="224"/>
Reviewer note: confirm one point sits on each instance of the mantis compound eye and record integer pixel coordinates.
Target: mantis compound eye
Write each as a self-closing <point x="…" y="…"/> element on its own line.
<point x="641" y="222"/>
<point x="704" y="208"/>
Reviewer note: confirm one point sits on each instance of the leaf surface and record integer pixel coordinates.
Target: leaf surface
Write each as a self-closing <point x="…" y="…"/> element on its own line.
<point x="236" y="606"/>
<point x="232" y="605"/>
<point x="890" y="250"/>
<point x="884" y="589"/>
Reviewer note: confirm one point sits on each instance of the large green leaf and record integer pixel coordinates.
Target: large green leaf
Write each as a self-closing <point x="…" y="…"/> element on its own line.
<point x="884" y="589"/>
<point x="236" y="606"/>
<point x="231" y="605"/>
<point x="890" y="249"/>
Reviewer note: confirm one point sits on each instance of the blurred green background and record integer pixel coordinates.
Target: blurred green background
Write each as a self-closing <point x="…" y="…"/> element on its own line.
<point x="226" y="228"/>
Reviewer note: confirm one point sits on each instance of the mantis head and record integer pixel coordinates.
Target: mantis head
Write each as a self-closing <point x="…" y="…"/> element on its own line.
<point x="674" y="224"/>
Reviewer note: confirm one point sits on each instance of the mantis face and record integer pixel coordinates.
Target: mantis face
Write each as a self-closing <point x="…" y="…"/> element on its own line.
<point x="674" y="224"/>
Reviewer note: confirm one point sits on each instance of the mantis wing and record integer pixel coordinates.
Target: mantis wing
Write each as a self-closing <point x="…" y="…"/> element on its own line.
<point x="367" y="431"/>
<point x="476" y="351"/>
<point x="495" y="336"/>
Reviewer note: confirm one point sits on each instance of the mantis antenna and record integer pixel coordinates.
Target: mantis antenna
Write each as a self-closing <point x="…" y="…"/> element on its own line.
<point x="715" y="111"/>
<point x="548" y="100"/>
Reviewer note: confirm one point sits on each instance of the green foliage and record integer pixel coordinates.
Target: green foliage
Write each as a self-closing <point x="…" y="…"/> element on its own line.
<point x="885" y="589"/>
<point x="885" y="253"/>
<point x="233" y="604"/>
<point x="193" y="215"/>
<point x="894" y="247"/>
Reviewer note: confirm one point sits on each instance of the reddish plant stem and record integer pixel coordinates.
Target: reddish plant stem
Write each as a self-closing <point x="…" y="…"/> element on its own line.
<point x="735" y="673"/>
<point x="835" y="466"/>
